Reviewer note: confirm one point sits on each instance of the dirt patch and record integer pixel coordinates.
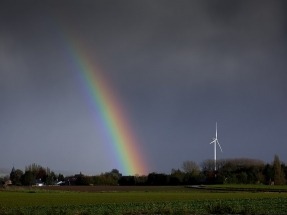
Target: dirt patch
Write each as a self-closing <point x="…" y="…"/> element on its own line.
<point x="110" y="188"/>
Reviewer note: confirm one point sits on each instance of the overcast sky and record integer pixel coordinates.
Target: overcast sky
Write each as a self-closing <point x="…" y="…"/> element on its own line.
<point x="178" y="67"/>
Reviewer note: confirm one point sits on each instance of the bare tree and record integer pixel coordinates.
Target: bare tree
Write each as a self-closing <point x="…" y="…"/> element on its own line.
<point x="279" y="176"/>
<point x="190" y="167"/>
<point x="207" y="165"/>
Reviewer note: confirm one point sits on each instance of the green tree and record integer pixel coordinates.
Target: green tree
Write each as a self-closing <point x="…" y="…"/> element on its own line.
<point x="51" y="178"/>
<point x="61" y="177"/>
<point x="83" y="180"/>
<point x="140" y="180"/>
<point x="127" y="180"/>
<point x="176" y="177"/>
<point x="158" y="179"/>
<point x="38" y="171"/>
<point x="12" y="174"/>
<point x="15" y="176"/>
<point x="284" y="167"/>
<point x="279" y="176"/>
<point x="28" y="178"/>
<point x="268" y="173"/>
<point x="115" y="174"/>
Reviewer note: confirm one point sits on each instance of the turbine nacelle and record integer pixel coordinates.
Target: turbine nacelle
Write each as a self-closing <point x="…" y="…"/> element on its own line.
<point x="215" y="141"/>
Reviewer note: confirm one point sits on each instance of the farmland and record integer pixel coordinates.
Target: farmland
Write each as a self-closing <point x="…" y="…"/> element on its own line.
<point x="141" y="200"/>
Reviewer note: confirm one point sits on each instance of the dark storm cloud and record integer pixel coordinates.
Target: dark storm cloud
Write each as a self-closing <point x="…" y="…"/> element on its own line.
<point x="178" y="66"/>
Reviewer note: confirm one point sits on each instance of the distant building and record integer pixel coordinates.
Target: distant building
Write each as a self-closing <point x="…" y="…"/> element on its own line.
<point x="39" y="183"/>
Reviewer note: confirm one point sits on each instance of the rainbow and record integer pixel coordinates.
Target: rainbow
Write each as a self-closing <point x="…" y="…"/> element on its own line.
<point x="121" y="138"/>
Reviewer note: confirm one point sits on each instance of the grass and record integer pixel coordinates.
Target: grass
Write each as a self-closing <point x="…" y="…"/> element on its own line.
<point x="164" y="200"/>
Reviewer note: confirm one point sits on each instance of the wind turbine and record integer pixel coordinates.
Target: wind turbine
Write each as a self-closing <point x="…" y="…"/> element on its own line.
<point x="215" y="141"/>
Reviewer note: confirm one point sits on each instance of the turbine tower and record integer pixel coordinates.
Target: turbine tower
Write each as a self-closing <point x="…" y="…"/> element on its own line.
<point x="215" y="142"/>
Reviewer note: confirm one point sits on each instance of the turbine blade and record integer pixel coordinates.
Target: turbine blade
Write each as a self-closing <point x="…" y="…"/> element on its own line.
<point x="212" y="142"/>
<point x="219" y="145"/>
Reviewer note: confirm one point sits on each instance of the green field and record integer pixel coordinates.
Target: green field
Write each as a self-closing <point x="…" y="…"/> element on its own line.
<point x="143" y="200"/>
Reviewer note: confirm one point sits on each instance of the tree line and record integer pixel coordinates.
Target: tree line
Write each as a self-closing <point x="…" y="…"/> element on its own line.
<point x="229" y="171"/>
<point x="34" y="174"/>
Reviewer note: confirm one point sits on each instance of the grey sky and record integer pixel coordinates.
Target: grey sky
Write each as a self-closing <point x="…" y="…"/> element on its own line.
<point x="178" y="67"/>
